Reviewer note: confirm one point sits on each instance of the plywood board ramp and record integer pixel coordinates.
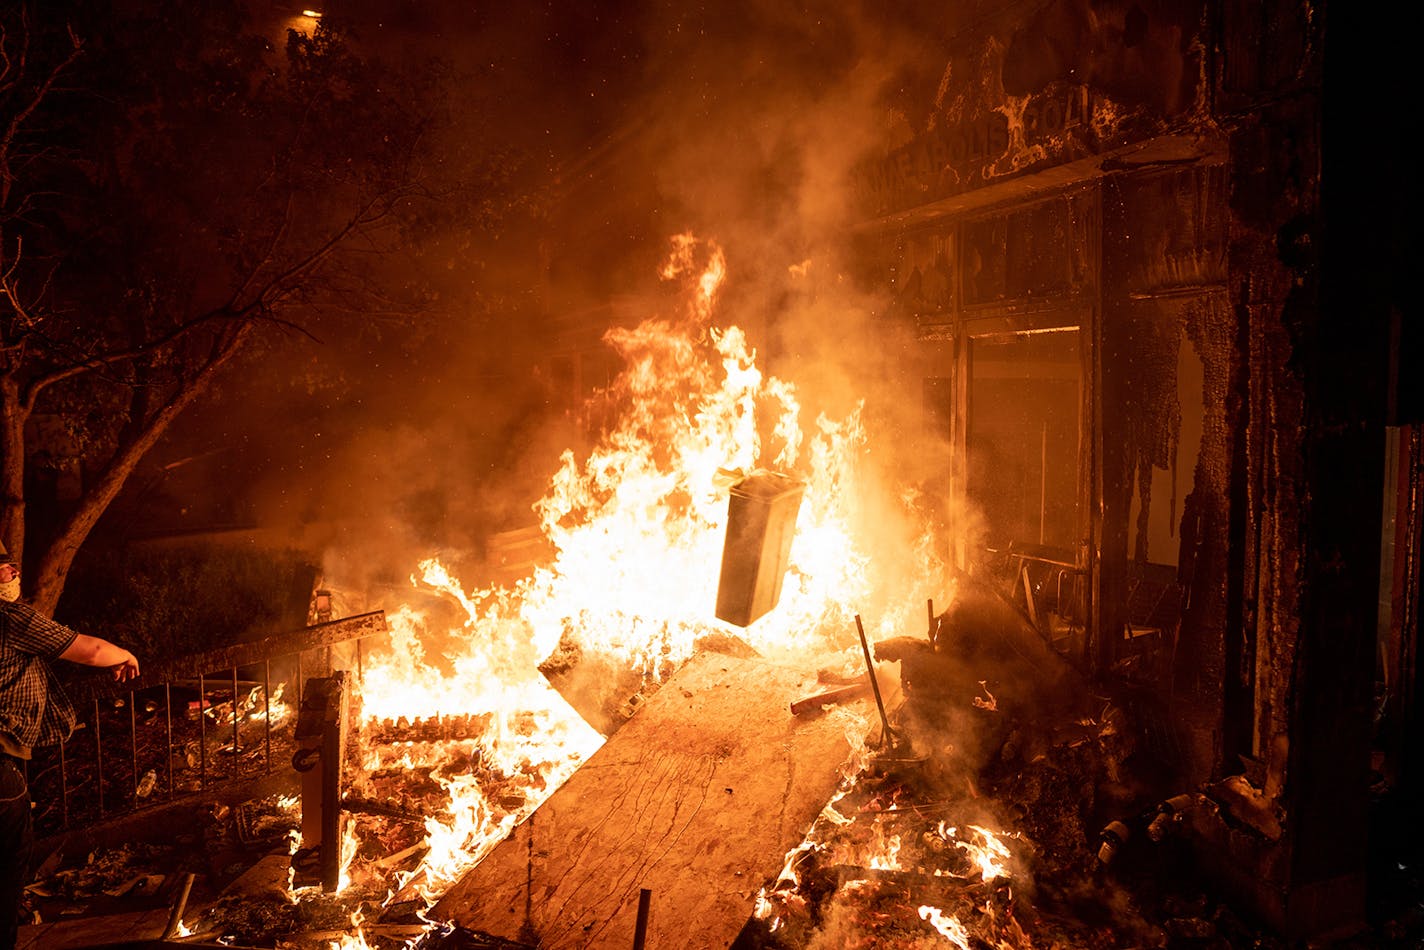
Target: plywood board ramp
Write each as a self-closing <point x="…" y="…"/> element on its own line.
<point x="697" y="799"/>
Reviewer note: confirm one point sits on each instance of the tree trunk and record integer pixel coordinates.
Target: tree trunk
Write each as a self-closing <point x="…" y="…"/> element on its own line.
<point x="56" y="560"/>
<point x="13" y="416"/>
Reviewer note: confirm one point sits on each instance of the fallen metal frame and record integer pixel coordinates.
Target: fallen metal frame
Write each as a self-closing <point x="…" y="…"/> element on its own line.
<point x="228" y="661"/>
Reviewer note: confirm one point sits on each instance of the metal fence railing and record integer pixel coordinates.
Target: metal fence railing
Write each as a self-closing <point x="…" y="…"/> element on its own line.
<point x="186" y="725"/>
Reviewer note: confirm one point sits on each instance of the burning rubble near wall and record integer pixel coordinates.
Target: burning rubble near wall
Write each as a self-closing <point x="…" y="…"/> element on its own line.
<point x="626" y="599"/>
<point x="971" y="820"/>
<point x="967" y="800"/>
<point x="625" y="602"/>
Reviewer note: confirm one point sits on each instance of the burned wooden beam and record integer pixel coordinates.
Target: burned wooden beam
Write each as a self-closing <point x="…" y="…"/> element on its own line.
<point x="697" y="799"/>
<point x="831" y="697"/>
<point x="321" y="749"/>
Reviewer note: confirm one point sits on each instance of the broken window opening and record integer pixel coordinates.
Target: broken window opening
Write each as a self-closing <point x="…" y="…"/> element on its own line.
<point x="1023" y="438"/>
<point x="1023" y="472"/>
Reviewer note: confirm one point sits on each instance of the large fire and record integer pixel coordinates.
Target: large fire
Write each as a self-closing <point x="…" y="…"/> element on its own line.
<point x="637" y="528"/>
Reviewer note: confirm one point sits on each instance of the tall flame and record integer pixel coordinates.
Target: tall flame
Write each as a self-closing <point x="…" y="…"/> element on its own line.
<point x="636" y="527"/>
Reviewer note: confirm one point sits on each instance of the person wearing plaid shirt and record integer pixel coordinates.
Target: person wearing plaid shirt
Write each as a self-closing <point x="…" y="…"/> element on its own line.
<point x="33" y="712"/>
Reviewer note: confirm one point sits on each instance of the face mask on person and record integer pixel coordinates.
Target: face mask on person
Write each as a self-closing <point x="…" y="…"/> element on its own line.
<point x="9" y="580"/>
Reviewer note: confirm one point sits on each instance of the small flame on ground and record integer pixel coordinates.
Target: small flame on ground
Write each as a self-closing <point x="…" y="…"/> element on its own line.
<point x="355" y="940"/>
<point x="350" y="844"/>
<point x="947" y="925"/>
<point x="888" y="858"/>
<point x="990" y="857"/>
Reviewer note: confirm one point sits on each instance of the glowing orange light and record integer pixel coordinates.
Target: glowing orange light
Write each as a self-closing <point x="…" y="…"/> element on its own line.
<point x="636" y="527"/>
<point x="947" y="925"/>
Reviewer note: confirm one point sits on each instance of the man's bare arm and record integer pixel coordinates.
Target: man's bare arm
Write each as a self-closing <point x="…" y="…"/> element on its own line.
<point x="96" y="651"/>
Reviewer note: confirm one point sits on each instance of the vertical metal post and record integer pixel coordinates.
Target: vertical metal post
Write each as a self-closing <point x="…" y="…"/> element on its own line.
<point x="360" y="652"/>
<point x="299" y="679"/>
<point x="235" y="720"/>
<point x="133" y="746"/>
<point x="168" y="716"/>
<point x="267" y="711"/>
<point x="202" y="732"/>
<point x="63" y="784"/>
<point x="886" y="738"/>
<point x="98" y="759"/>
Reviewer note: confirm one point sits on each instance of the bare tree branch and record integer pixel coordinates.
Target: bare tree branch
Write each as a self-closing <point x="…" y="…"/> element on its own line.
<point x="236" y="221"/>
<point x="54" y="562"/>
<point x="364" y="216"/>
<point x="92" y="362"/>
<point x="27" y="109"/>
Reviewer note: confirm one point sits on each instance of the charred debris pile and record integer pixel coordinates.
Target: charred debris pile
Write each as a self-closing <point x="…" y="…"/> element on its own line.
<point x="998" y="800"/>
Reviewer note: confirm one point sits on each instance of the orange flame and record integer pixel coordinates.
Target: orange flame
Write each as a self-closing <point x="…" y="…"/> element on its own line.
<point x="990" y="857"/>
<point x="947" y="925"/>
<point x="636" y="528"/>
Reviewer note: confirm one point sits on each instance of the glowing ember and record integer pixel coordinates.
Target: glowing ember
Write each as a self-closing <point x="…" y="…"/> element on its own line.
<point x="990" y="704"/>
<point x="947" y="925"/>
<point x="989" y="856"/>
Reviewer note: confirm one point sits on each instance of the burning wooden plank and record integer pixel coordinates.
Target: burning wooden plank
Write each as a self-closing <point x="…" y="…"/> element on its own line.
<point x="139" y="926"/>
<point x="698" y="798"/>
<point x="831" y="697"/>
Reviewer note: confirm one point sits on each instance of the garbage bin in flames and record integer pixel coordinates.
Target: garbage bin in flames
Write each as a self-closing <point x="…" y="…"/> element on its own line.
<point x="761" y="521"/>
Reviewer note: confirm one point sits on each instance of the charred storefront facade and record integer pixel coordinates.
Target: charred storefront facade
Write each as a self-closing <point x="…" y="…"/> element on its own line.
<point x="1154" y="336"/>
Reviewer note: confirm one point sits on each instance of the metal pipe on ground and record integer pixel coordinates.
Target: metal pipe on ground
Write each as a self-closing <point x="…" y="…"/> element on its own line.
<point x="175" y="919"/>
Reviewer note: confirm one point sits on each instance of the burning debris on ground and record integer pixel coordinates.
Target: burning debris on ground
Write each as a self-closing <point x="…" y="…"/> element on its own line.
<point x="902" y="853"/>
<point x="80" y="894"/>
<point x="521" y="777"/>
<point x="963" y="814"/>
<point x="1075" y="364"/>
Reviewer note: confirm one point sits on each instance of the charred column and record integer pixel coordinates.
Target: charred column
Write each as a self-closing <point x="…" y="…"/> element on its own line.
<point x="321" y="747"/>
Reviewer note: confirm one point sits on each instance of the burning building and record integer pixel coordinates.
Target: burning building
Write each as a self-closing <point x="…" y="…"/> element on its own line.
<point x="1159" y="364"/>
<point x="1131" y="232"/>
<point x="1142" y="319"/>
